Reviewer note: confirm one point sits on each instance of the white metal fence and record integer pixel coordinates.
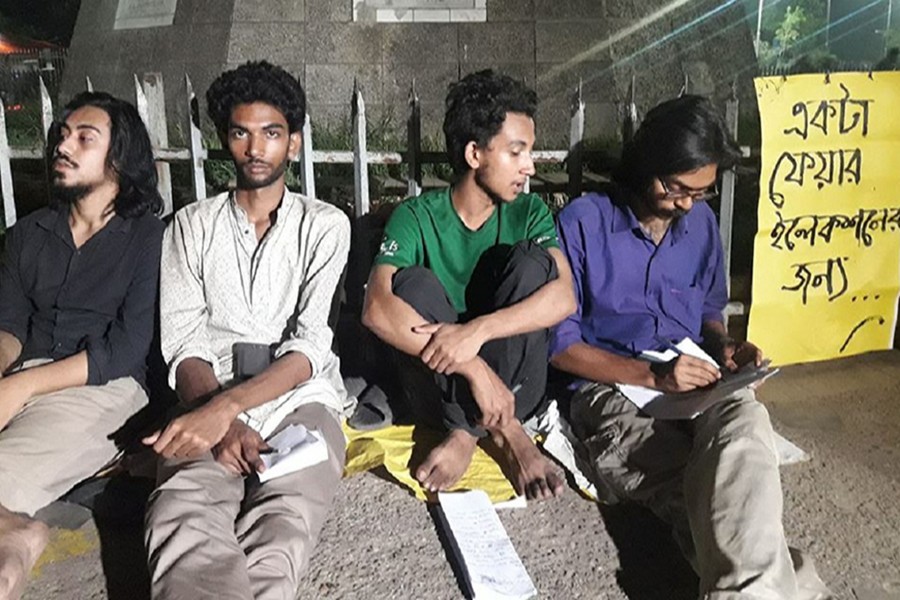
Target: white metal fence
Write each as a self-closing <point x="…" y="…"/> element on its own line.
<point x="150" y="102"/>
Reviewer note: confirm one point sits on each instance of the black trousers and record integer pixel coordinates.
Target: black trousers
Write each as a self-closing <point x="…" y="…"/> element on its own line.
<point x="504" y="275"/>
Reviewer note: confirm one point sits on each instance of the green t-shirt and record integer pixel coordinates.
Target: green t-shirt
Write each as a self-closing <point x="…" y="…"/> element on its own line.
<point x="426" y="231"/>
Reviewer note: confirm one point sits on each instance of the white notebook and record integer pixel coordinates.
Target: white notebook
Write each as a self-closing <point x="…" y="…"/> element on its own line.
<point x="296" y="447"/>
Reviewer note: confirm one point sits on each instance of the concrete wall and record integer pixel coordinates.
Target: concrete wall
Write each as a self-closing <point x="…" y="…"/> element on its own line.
<point x="551" y="44"/>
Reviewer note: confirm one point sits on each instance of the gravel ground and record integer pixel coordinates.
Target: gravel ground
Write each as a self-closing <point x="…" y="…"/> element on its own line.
<point x="842" y="507"/>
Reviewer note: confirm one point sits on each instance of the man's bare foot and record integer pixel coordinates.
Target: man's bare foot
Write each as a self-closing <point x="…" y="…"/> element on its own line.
<point x="531" y="473"/>
<point x="448" y="462"/>
<point x="22" y="540"/>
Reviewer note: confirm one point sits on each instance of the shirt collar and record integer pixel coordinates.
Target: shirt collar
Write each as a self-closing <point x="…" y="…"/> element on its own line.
<point x="52" y="218"/>
<point x="623" y="218"/>
<point x="287" y="199"/>
<point x="57" y="221"/>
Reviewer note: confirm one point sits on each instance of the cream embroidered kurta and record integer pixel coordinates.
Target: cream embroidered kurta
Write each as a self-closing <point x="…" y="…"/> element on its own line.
<point x="220" y="285"/>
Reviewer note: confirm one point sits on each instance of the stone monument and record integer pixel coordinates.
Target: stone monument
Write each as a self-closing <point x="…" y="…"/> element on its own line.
<point x="386" y="44"/>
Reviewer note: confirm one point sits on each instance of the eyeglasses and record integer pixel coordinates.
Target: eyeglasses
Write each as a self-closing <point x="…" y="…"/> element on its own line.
<point x="695" y="195"/>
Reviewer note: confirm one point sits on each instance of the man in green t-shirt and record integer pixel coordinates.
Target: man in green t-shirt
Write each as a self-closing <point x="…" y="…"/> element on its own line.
<point x="466" y="284"/>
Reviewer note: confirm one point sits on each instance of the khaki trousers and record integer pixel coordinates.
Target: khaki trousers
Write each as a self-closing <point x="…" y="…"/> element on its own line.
<point x="714" y="479"/>
<point x="213" y="535"/>
<point x="62" y="438"/>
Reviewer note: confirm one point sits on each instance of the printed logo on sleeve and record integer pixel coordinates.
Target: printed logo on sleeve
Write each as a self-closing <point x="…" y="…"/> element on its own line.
<point x="388" y="247"/>
<point x="540" y="240"/>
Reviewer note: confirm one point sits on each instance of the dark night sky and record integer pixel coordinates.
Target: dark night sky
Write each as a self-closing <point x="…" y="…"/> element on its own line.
<point x="48" y="20"/>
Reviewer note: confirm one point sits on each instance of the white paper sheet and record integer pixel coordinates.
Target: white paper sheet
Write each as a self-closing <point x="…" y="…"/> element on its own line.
<point x="493" y="568"/>
<point x="296" y="448"/>
<point x="687" y="405"/>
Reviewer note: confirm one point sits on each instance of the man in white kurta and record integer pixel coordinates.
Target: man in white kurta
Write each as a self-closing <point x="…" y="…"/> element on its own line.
<point x="256" y="266"/>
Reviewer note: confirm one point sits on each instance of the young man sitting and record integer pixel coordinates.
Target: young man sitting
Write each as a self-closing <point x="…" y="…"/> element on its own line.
<point x="467" y="282"/>
<point x="245" y="273"/>
<point x="649" y="269"/>
<point x="78" y="289"/>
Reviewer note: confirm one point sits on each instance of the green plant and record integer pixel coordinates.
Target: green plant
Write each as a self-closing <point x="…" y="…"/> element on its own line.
<point x="790" y="31"/>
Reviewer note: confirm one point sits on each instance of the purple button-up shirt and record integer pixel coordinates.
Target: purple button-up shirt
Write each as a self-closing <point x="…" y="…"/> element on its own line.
<point x="632" y="294"/>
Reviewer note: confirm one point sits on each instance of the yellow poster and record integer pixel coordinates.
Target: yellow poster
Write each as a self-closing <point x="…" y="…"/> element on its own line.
<point x="826" y="260"/>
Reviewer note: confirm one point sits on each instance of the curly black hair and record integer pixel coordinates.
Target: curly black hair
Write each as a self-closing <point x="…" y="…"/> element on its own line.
<point x="476" y="108"/>
<point x="676" y="136"/>
<point x="259" y="81"/>
<point x="130" y="154"/>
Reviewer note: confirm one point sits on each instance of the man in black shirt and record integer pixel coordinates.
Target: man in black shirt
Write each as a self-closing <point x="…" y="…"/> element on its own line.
<point x="78" y="288"/>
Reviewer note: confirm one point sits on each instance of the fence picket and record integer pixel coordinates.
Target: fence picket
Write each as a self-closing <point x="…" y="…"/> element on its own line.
<point x="576" y="143"/>
<point x="195" y="140"/>
<point x="360" y="154"/>
<point x="46" y="109"/>
<point x="307" y="164"/>
<point x="155" y="107"/>
<point x="6" y="182"/>
<point x="414" y="144"/>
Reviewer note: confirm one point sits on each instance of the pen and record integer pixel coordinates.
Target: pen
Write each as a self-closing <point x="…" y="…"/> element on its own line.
<point x="516" y="388"/>
<point x="668" y="345"/>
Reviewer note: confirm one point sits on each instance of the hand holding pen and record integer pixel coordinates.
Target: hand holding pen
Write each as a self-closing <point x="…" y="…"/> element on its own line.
<point x="683" y="373"/>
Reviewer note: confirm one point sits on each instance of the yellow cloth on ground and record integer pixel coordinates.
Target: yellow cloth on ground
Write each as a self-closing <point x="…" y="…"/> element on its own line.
<point x="392" y="447"/>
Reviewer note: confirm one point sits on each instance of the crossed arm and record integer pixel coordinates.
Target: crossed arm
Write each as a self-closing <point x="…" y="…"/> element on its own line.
<point x="451" y="348"/>
<point x="213" y="424"/>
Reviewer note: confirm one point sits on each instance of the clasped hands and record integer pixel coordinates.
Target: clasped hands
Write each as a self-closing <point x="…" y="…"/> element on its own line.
<point x="454" y="348"/>
<point x="450" y="345"/>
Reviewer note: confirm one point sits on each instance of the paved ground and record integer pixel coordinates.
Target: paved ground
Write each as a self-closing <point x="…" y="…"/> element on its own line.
<point x="843" y="506"/>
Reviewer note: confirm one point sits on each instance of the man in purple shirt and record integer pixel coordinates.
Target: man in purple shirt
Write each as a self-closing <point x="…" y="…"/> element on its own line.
<point x="648" y="269"/>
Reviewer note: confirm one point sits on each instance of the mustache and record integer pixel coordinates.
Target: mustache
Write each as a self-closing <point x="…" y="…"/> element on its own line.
<point x="60" y="158"/>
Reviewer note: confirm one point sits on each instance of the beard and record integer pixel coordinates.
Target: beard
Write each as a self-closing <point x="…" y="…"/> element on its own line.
<point x="68" y="195"/>
<point x="62" y="194"/>
<point x="251" y="183"/>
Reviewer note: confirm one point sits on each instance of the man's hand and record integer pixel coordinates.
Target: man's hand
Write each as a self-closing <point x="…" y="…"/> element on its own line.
<point x="450" y="345"/>
<point x="14" y="394"/>
<point x="496" y="402"/>
<point x="684" y="374"/>
<point x="737" y="354"/>
<point x="196" y="432"/>
<point x="239" y="449"/>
